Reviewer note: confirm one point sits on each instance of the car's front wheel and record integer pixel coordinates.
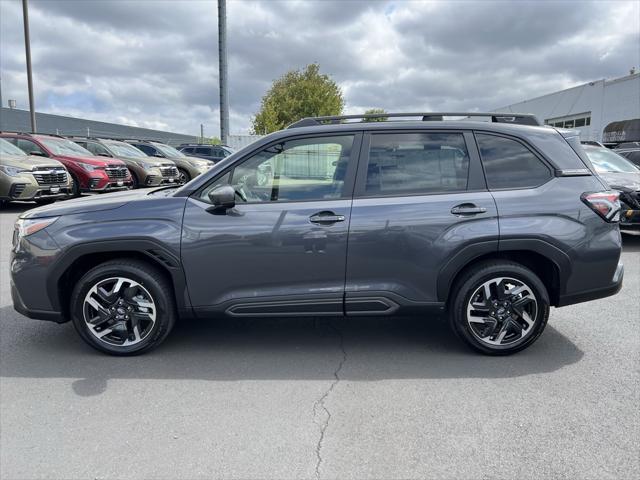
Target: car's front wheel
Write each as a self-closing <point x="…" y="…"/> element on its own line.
<point x="184" y="176"/>
<point x="499" y="307"/>
<point x="123" y="307"/>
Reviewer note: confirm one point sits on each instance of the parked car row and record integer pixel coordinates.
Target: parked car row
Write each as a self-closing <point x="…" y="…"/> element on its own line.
<point x="45" y="168"/>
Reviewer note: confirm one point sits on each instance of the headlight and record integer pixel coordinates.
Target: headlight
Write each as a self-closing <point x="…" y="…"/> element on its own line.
<point x="29" y="226"/>
<point x="12" y="171"/>
<point x="88" y="167"/>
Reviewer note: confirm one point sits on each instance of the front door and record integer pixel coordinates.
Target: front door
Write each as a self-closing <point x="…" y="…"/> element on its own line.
<point x="420" y="207"/>
<point x="282" y="249"/>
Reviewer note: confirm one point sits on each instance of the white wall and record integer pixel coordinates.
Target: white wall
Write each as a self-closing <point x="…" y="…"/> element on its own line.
<point x="607" y="101"/>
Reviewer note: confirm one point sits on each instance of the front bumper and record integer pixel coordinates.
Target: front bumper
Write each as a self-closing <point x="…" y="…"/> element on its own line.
<point x="31" y="191"/>
<point x="159" y="180"/>
<point x="594" y="294"/>
<point x="20" y="307"/>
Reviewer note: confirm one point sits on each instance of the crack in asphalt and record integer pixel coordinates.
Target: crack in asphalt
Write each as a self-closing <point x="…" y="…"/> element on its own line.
<point x="320" y="403"/>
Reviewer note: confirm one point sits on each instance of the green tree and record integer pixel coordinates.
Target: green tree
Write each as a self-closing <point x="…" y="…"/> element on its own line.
<point x="295" y="95"/>
<point x="374" y="111"/>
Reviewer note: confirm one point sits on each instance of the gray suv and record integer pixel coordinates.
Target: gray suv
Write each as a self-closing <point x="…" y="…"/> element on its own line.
<point x="492" y="222"/>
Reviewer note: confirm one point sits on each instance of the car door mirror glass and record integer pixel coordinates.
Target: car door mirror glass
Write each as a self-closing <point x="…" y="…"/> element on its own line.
<point x="223" y="197"/>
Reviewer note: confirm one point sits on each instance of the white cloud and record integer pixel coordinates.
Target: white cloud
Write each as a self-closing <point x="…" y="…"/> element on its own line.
<point x="154" y="63"/>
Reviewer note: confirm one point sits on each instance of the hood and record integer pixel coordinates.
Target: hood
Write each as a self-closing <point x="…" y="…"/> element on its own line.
<point x="152" y="160"/>
<point x="93" y="203"/>
<point x="29" y="162"/>
<point x="95" y="161"/>
<point x="622" y="181"/>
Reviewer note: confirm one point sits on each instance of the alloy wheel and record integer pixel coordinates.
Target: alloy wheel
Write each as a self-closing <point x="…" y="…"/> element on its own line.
<point x="502" y="311"/>
<point x="119" y="311"/>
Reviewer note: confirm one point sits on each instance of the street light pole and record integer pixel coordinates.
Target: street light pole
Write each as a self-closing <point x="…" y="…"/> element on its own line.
<point x="222" y="65"/>
<point x="27" y="49"/>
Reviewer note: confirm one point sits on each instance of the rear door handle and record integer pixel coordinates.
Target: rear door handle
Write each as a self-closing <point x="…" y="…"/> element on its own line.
<point x="324" y="218"/>
<point x="467" y="209"/>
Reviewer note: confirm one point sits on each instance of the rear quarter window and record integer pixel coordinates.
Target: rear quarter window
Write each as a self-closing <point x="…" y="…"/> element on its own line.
<point x="510" y="164"/>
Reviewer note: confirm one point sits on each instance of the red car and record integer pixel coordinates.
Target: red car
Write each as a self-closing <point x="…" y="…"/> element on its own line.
<point x="90" y="173"/>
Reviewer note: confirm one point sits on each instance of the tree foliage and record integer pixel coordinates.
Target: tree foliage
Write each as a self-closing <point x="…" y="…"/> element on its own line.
<point x="295" y="95"/>
<point x="374" y="111"/>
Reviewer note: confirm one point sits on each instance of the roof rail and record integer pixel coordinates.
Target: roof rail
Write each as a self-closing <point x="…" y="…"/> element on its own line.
<point x="497" y="117"/>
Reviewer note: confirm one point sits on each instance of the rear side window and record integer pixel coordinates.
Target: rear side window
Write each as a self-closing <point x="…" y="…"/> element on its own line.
<point x="187" y="150"/>
<point x="406" y="163"/>
<point x="509" y="164"/>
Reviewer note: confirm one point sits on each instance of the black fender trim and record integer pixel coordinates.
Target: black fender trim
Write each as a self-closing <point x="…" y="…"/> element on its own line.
<point x="460" y="260"/>
<point x="155" y="251"/>
<point x="474" y="251"/>
<point x="560" y="259"/>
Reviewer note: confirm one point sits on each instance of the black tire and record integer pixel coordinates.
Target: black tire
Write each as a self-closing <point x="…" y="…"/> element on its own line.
<point x="470" y="283"/>
<point x="134" y="181"/>
<point x="75" y="187"/>
<point x="184" y="176"/>
<point x="153" y="282"/>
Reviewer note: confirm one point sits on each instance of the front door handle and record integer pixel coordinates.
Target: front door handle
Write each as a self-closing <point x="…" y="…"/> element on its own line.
<point x="467" y="209"/>
<point x="325" y="218"/>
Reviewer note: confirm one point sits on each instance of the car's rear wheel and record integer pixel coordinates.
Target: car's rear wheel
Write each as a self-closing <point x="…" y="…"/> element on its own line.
<point x="499" y="307"/>
<point x="183" y="176"/>
<point x="123" y="307"/>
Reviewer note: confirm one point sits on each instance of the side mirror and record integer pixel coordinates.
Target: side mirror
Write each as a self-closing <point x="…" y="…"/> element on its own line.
<point x="158" y="155"/>
<point x="104" y="154"/>
<point x="38" y="153"/>
<point x="223" y="197"/>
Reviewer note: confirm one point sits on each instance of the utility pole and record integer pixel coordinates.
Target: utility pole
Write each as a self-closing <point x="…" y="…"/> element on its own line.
<point x="27" y="49"/>
<point x="222" y="65"/>
<point x="201" y="133"/>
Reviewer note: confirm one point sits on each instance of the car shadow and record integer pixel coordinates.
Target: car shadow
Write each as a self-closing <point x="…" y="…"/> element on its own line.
<point x="377" y="348"/>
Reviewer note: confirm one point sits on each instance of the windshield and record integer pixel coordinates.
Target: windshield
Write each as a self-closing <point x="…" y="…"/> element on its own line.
<point x="604" y="161"/>
<point x="62" y="146"/>
<point x="169" y="151"/>
<point x="8" y="148"/>
<point x="122" y="149"/>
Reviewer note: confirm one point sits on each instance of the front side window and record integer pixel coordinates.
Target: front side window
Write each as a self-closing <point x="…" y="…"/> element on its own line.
<point x="123" y="149"/>
<point x="293" y="171"/>
<point x="97" y="149"/>
<point x="7" y="148"/>
<point x="509" y="164"/>
<point x="606" y="161"/>
<point x="62" y="146"/>
<point x="29" y="147"/>
<point x="415" y="163"/>
<point x="146" y="149"/>
<point x="203" y="151"/>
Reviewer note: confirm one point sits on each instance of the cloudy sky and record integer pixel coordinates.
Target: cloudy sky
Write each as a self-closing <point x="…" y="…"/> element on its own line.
<point x="153" y="63"/>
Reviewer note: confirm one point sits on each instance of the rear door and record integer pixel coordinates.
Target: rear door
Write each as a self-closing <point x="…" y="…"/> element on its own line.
<point x="420" y="208"/>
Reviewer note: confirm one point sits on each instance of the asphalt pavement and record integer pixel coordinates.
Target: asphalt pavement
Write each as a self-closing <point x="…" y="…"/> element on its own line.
<point x="365" y="398"/>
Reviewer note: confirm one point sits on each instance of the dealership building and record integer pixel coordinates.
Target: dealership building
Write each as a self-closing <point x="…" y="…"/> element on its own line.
<point x="602" y="110"/>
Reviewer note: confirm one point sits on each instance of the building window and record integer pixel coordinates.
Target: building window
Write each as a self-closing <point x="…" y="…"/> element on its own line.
<point x="571" y="121"/>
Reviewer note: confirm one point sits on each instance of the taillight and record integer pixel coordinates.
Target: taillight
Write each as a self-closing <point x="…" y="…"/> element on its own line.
<point x="606" y="204"/>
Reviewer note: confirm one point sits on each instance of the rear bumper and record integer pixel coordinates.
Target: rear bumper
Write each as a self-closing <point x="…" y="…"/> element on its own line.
<point x="594" y="294"/>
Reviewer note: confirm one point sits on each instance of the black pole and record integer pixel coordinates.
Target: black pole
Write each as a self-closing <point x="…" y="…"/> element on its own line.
<point x="27" y="49"/>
